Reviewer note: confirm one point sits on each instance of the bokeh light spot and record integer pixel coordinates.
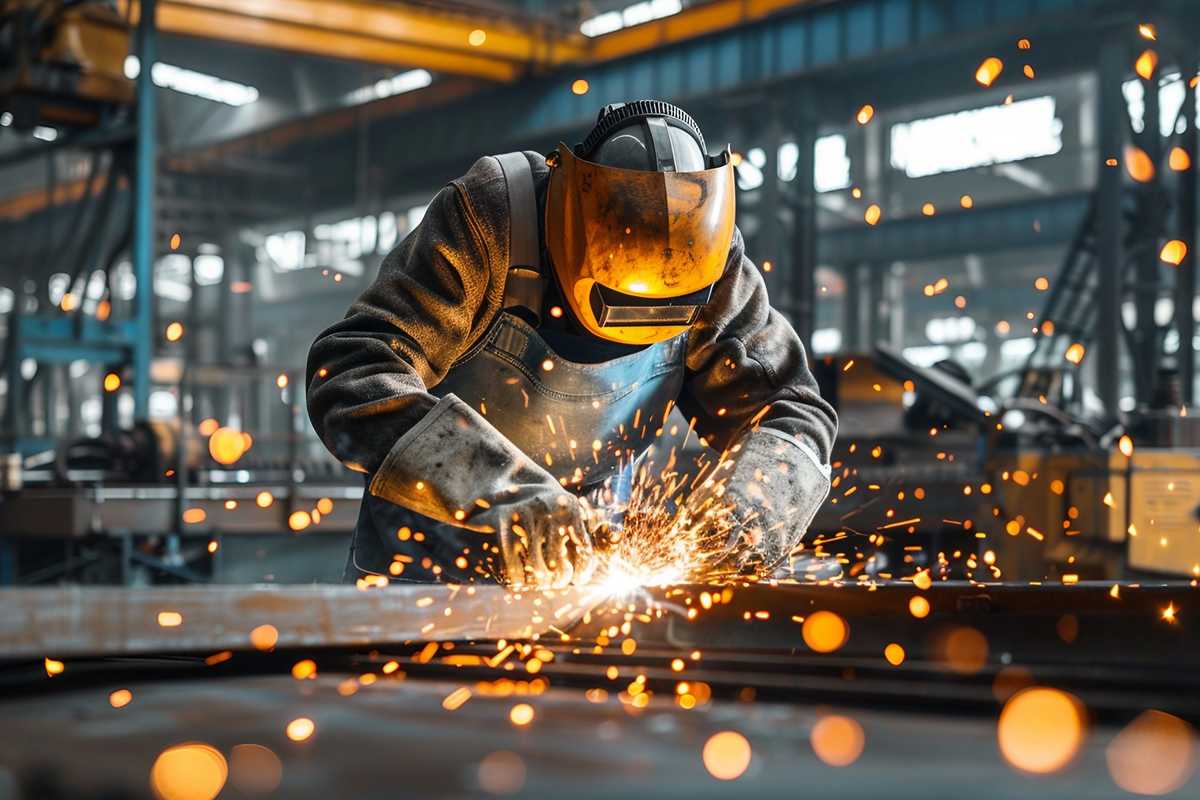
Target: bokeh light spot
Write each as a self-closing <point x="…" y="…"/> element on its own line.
<point x="1040" y="729"/>
<point x="727" y="755"/>
<point x="825" y="631"/>
<point x="838" y="740"/>
<point x="191" y="771"/>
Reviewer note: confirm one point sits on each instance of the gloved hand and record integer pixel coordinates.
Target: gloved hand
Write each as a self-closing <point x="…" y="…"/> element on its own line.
<point x="545" y="539"/>
<point x="455" y="467"/>
<point x="764" y="494"/>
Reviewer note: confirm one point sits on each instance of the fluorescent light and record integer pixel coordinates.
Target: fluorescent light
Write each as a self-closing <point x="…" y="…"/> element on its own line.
<point x="5" y="119"/>
<point x="399" y="83"/>
<point x="980" y="137"/>
<point x="196" y="84"/>
<point x="45" y="133"/>
<point x="635" y="14"/>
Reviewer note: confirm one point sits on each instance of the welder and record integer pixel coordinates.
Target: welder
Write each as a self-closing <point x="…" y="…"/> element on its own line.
<point x="524" y="343"/>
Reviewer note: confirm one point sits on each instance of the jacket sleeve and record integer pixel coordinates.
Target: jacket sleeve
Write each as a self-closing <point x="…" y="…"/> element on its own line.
<point x="368" y="375"/>
<point x="747" y="368"/>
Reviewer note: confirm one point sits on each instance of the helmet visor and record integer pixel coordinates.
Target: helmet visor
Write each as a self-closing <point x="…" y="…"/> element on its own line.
<point x="644" y="244"/>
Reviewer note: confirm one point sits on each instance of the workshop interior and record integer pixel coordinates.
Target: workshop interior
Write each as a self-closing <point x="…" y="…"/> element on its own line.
<point x="978" y="216"/>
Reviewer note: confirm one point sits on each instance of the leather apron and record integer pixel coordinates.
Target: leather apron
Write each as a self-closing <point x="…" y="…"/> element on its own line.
<point x="586" y="423"/>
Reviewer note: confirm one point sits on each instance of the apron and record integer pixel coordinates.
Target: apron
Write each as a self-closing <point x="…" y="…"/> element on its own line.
<point x="554" y="415"/>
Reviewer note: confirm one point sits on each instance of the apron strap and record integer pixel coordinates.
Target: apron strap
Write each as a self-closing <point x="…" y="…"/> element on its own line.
<point x="523" y="285"/>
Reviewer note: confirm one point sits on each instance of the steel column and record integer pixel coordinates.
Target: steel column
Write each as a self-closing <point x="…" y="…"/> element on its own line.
<point x="852" y="328"/>
<point x="1111" y="124"/>
<point x="801" y="295"/>
<point x="143" y="225"/>
<point x="1144" y="337"/>
<point x="1185" y="279"/>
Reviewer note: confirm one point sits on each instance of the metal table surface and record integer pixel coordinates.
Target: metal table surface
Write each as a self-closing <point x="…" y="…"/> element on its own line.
<point x="405" y="710"/>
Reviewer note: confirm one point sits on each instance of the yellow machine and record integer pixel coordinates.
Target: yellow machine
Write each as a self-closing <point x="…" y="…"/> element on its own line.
<point x="67" y="66"/>
<point x="1098" y="515"/>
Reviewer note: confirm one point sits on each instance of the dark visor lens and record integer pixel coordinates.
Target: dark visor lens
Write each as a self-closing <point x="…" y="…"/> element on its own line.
<point x="616" y="309"/>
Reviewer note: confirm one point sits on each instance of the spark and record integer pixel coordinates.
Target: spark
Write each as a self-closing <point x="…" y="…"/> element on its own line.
<point x="1169" y="614"/>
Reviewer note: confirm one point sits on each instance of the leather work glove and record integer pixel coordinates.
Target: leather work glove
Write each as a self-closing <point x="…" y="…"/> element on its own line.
<point x="763" y="495"/>
<point x="455" y="467"/>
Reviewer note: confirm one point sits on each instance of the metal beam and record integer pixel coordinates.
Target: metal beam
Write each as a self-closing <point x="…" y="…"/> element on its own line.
<point x="1185" y="279"/>
<point x="1111" y="123"/>
<point x="700" y="20"/>
<point x="1045" y="222"/>
<point x="143" y="220"/>
<point x="396" y="34"/>
<point x="69" y="621"/>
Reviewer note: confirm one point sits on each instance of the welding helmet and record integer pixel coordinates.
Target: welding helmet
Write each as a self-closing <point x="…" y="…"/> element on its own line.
<point x="639" y="220"/>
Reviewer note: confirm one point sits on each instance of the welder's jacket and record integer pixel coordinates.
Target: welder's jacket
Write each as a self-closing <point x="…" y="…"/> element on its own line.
<point x="439" y="294"/>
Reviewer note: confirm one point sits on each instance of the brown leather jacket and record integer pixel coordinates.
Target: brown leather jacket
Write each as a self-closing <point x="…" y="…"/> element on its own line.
<point x="368" y="376"/>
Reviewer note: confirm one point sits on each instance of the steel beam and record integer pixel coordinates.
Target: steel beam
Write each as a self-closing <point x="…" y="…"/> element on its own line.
<point x="1185" y="278"/>
<point x="1042" y="222"/>
<point x="143" y="220"/>
<point x="68" y="621"/>
<point x="1111" y="124"/>
<point x="398" y="34"/>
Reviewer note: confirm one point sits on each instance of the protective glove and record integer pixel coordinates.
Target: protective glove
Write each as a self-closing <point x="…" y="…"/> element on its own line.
<point x="764" y="493"/>
<point x="455" y="467"/>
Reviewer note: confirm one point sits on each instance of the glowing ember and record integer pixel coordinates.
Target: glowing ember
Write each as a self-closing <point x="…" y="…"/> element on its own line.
<point x="837" y="740"/>
<point x="1174" y="252"/>
<point x="726" y="755"/>
<point x="264" y="637"/>
<point x="521" y="714"/>
<point x="300" y="729"/>
<point x="226" y="445"/>
<point x="988" y="71"/>
<point x="1146" y="63"/>
<point x="1040" y="730"/>
<point x="189" y="772"/>
<point x="825" y="631"/>
<point x="305" y="669"/>
<point x="1179" y="160"/>
<point x="1138" y="164"/>
<point x="170" y="619"/>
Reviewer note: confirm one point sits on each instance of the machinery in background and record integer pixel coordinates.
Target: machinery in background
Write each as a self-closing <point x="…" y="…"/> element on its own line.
<point x="1056" y="494"/>
<point x="185" y="500"/>
<point x="62" y="63"/>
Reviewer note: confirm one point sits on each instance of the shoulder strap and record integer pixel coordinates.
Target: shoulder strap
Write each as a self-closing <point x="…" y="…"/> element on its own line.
<point x="524" y="284"/>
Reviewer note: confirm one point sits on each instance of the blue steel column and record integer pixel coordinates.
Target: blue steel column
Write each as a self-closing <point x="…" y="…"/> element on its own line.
<point x="143" y="198"/>
<point x="1185" y="280"/>
<point x="1109" y="239"/>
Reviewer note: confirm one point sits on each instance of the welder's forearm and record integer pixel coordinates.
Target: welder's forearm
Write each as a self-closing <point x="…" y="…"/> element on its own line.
<point x="362" y="396"/>
<point x="455" y="467"/>
<point x="804" y="415"/>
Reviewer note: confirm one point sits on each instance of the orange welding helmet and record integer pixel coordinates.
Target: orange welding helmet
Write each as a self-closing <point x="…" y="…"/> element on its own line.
<point x="639" y="220"/>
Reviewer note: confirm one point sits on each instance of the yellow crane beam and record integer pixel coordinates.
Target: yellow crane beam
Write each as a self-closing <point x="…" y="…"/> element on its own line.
<point x="694" y="21"/>
<point x="394" y="34"/>
<point x="403" y="35"/>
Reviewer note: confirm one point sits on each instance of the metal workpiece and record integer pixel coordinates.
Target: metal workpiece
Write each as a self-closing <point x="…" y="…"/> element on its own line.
<point x="68" y="621"/>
